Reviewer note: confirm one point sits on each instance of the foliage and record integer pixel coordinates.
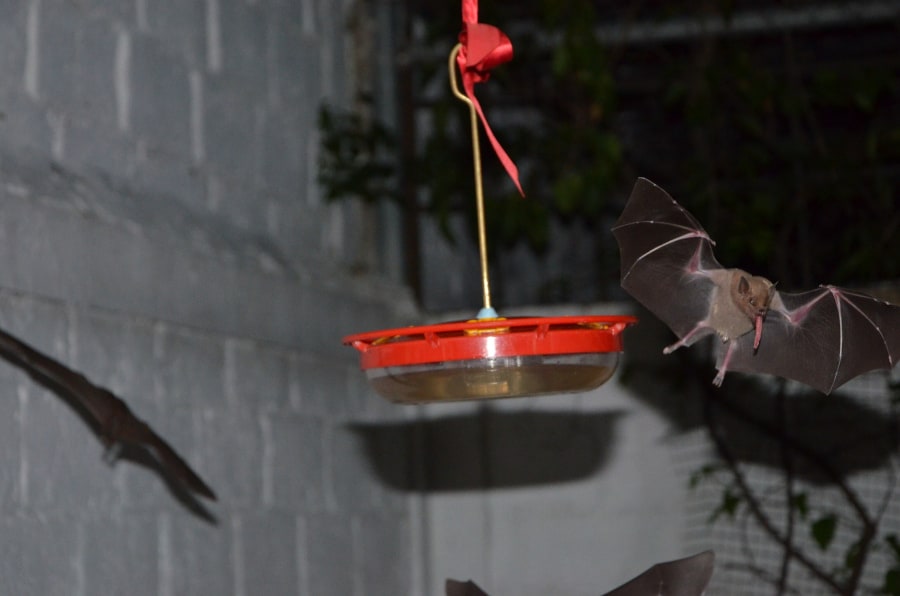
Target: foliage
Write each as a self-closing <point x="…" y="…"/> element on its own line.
<point x="568" y="156"/>
<point x="785" y="146"/>
<point x="785" y="143"/>
<point x="847" y="530"/>
<point x="802" y="484"/>
<point x="358" y="159"/>
<point x="793" y="155"/>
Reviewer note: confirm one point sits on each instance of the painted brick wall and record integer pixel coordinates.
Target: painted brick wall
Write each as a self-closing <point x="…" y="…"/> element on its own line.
<point x="161" y="231"/>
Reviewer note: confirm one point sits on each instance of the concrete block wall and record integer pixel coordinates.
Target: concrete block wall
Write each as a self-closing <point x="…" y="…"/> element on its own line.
<point x="161" y="231"/>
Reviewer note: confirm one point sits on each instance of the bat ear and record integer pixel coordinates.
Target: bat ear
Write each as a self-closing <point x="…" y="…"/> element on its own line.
<point x="743" y="286"/>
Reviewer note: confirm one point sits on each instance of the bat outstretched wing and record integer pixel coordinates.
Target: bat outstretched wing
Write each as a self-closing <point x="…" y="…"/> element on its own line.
<point x="683" y="577"/>
<point x="667" y="261"/>
<point x="467" y="588"/>
<point x="823" y="338"/>
<point x="115" y="420"/>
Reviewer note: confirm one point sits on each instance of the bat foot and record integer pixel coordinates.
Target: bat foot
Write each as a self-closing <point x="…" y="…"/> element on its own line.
<point x="690" y="337"/>
<point x="717" y="381"/>
<point x="669" y="349"/>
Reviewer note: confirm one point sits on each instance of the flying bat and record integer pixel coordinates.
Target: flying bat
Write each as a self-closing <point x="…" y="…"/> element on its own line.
<point x="823" y="337"/>
<point x="458" y="588"/>
<point x="116" y="423"/>
<point x="683" y="577"/>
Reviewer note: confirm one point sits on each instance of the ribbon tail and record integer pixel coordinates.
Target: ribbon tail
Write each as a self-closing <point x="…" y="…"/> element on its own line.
<point x="505" y="159"/>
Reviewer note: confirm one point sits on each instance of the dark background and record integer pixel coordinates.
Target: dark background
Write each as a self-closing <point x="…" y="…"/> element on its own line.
<point x="776" y="124"/>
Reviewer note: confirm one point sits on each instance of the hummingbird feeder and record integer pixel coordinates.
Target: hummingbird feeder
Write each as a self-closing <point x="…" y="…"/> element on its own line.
<point x="490" y="356"/>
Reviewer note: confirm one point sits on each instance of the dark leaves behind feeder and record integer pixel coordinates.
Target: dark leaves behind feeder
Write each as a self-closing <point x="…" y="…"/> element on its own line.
<point x="823" y="530"/>
<point x="728" y="506"/>
<point x="357" y="158"/>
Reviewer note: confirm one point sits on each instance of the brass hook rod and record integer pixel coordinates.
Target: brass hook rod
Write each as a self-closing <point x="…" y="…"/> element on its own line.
<point x="479" y="192"/>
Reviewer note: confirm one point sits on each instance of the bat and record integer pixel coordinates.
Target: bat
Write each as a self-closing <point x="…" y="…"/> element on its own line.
<point x="116" y="422"/>
<point x="683" y="577"/>
<point x="458" y="588"/>
<point x="823" y="337"/>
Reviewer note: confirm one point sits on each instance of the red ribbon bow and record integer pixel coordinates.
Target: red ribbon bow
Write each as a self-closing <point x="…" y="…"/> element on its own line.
<point x="482" y="48"/>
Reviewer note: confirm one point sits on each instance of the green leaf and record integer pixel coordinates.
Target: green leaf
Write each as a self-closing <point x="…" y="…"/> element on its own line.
<point x="702" y="474"/>
<point x="823" y="530"/>
<point x="728" y="506"/>
<point x="894" y="544"/>
<point x="851" y="557"/>
<point x="800" y="503"/>
<point x="891" y="583"/>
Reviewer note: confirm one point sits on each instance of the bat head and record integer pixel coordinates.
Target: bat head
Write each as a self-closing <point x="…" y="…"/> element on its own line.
<point x="752" y="294"/>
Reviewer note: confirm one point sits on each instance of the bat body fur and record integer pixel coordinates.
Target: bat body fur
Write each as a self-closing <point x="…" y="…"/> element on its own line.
<point x="823" y="337"/>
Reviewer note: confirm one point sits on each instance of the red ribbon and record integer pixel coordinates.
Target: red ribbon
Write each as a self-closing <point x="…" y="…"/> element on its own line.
<point x="482" y="48"/>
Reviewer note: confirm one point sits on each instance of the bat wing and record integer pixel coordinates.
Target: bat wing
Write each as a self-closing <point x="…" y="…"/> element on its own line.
<point x="667" y="262"/>
<point x="116" y="421"/>
<point x="136" y="431"/>
<point x="823" y="338"/>
<point x="683" y="577"/>
<point x="468" y="588"/>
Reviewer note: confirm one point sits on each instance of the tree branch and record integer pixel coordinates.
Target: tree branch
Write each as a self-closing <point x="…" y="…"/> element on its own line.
<point x="788" y="465"/>
<point x="753" y="504"/>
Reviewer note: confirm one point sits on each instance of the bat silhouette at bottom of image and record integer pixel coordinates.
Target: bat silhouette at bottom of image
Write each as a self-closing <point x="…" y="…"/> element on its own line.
<point x="823" y="337"/>
<point x="116" y="422"/>
<point x="682" y="577"/>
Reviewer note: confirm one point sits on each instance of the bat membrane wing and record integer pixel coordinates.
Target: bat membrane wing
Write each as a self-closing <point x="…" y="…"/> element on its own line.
<point x="458" y="588"/>
<point x="650" y="203"/>
<point x="170" y="460"/>
<point x="833" y="336"/>
<point x="678" y="296"/>
<point x="666" y="258"/>
<point x="885" y="317"/>
<point x="684" y="577"/>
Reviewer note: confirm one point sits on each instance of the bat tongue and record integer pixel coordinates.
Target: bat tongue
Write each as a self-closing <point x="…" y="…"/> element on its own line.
<point x="759" y="328"/>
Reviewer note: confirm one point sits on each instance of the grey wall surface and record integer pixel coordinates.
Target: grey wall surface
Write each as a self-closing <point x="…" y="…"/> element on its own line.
<point x="162" y="232"/>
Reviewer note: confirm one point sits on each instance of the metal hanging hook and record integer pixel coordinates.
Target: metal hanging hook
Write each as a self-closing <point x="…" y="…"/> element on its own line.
<point x="487" y="311"/>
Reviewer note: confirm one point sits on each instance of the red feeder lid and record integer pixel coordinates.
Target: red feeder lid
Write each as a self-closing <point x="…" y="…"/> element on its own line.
<point x="489" y="338"/>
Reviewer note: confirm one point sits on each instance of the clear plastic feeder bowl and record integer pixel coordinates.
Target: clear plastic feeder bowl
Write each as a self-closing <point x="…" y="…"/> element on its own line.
<point x="491" y="359"/>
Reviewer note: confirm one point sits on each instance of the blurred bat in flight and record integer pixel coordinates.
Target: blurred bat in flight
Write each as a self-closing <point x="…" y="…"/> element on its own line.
<point x="458" y="588"/>
<point x="682" y="577"/>
<point x="116" y="422"/>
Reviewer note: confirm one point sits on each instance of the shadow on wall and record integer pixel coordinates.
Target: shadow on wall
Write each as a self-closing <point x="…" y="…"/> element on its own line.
<point x="490" y="449"/>
<point x="848" y="430"/>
